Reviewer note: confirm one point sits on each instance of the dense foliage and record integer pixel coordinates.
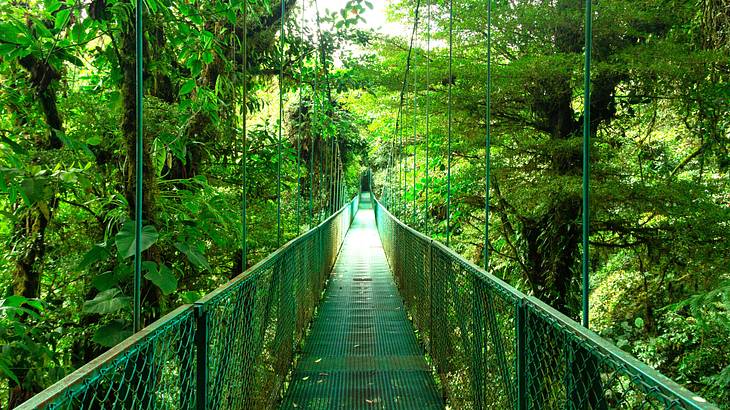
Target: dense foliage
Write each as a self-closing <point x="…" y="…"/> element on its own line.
<point x="67" y="137"/>
<point x="660" y="195"/>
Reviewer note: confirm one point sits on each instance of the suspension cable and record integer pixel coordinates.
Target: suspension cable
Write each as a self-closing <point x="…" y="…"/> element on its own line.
<point x="315" y="115"/>
<point x="415" y="131"/>
<point x="281" y="120"/>
<point x="427" y="107"/>
<point x="586" y="157"/>
<point x="244" y="114"/>
<point x="311" y="143"/>
<point x="331" y="160"/>
<point x="399" y="117"/>
<point x="299" y="134"/>
<point x="448" y="145"/>
<point x="139" y="168"/>
<point x="488" y="141"/>
<point x="401" y="171"/>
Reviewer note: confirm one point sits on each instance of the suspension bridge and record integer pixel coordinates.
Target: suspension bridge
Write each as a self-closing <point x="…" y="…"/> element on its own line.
<point x="363" y="311"/>
<point x="398" y="320"/>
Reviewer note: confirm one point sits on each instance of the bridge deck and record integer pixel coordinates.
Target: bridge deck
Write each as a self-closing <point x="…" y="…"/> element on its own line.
<point x="362" y="351"/>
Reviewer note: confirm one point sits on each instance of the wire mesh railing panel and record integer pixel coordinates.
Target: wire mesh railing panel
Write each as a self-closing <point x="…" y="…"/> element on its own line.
<point x="255" y="323"/>
<point x="309" y="284"/>
<point x="241" y="323"/>
<point x="473" y="333"/>
<point x="570" y="367"/>
<point x="154" y="369"/>
<point x="415" y="281"/>
<point x="495" y="348"/>
<point x="232" y="350"/>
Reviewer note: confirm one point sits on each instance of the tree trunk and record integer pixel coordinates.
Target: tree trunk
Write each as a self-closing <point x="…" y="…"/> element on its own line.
<point x="30" y="231"/>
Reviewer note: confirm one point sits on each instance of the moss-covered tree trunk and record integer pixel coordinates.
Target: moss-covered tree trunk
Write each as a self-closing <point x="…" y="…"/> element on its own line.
<point x="30" y="228"/>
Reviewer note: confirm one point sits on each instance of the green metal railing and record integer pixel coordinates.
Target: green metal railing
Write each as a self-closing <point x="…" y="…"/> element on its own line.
<point x="494" y="347"/>
<point x="233" y="349"/>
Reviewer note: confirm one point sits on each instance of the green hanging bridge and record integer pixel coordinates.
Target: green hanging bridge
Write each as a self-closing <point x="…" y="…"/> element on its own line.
<point x="362" y="312"/>
<point x="398" y="320"/>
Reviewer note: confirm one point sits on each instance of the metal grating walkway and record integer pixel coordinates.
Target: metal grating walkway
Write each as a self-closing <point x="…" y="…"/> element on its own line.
<point x="362" y="352"/>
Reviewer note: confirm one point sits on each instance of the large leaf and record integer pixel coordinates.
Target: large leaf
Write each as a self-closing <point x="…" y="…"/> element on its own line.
<point x="163" y="278"/>
<point x="196" y="258"/>
<point x="125" y="240"/>
<point x="187" y="87"/>
<point x="112" y="333"/>
<point x="108" y="301"/>
<point x="62" y="18"/>
<point x="95" y="254"/>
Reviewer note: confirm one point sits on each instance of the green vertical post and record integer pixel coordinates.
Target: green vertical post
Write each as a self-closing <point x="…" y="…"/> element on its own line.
<point x="311" y="182"/>
<point x="521" y="329"/>
<point x="333" y="182"/>
<point x="139" y="167"/>
<point x="401" y="169"/>
<point x="391" y="165"/>
<point x="299" y="141"/>
<point x="478" y="313"/>
<point x="311" y="154"/>
<point x="339" y="179"/>
<point x="488" y="142"/>
<point x="281" y="121"/>
<point x="586" y="159"/>
<point x="201" y="343"/>
<point x="415" y="134"/>
<point x="244" y="113"/>
<point x="448" y="145"/>
<point x="315" y="122"/>
<point x="426" y="108"/>
<point x="402" y="188"/>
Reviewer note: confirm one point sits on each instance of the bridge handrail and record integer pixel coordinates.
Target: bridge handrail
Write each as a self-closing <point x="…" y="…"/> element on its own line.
<point x="73" y="390"/>
<point x="509" y="341"/>
<point x="158" y="367"/>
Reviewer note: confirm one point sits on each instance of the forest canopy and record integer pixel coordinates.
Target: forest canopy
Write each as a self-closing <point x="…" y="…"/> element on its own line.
<point x="660" y="198"/>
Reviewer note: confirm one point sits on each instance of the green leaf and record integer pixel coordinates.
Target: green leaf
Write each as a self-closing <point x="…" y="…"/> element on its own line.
<point x="187" y="87"/>
<point x="53" y="5"/>
<point x="41" y="28"/>
<point x="105" y="302"/>
<point x="162" y="278"/>
<point x="112" y="333"/>
<point x="106" y="280"/>
<point x="152" y="4"/>
<point x="93" y="140"/>
<point x="61" y="18"/>
<point x="196" y="258"/>
<point x="13" y="301"/>
<point x="207" y="57"/>
<point x="639" y="323"/>
<point x="12" y="144"/>
<point x="6" y="372"/>
<point x="190" y="297"/>
<point x="33" y="189"/>
<point x="125" y="239"/>
<point x="95" y="254"/>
